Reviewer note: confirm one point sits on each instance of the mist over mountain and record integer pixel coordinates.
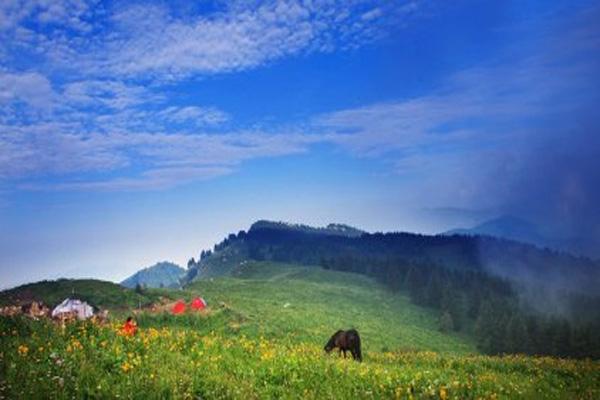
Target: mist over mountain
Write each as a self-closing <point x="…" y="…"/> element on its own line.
<point x="506" y="227"/>
<point x="163" y="274"/>
<point x="521" y="230"/>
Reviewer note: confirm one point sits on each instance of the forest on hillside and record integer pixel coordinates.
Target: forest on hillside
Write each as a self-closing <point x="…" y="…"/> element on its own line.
<point x="450" y="274"/>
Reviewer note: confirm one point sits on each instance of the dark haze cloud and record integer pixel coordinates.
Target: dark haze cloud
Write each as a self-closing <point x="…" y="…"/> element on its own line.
<point x="558" y="187"/>
<point x="549" y="172"/>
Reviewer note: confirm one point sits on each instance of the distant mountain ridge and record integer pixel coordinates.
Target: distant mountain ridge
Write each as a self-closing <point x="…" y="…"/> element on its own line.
<point x="515" y="228"/>
<point x="232" y="251"/>
<point x="304" y="245"/>
<point x="506" y="227"/>
<point x="163" y="274"/>
<point x="331" y="229"/>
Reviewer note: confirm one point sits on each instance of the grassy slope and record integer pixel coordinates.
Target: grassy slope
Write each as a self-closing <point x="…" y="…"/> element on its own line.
<point x="186" y="360"/>
<point x="319" y="302"/>
<point x="98" y="293"/>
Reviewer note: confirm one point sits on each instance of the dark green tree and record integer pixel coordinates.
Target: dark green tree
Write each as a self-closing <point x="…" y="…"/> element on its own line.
<point x="517" y="339"/>
<point x="446" y="324"/>
<point x="139" y="289"/>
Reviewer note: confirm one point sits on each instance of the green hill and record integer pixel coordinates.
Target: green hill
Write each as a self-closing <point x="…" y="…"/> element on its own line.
<point x="308" y="304"/>
<point x="100" y="294"/>
<point x="522" y="299"/>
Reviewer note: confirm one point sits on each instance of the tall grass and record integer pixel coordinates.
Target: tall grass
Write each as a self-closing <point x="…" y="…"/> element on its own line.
<point x="40" y="360"/>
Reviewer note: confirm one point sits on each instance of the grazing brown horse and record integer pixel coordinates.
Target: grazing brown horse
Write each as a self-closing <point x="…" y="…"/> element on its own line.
<point x="345" y="341"/>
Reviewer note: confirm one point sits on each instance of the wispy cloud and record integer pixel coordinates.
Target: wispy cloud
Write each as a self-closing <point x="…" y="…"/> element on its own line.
<point x="111" y="94"/>
<point x="197" y="115"/>
<point x="507" y="98"/>
<point x="95" y="104"/>
<point x="241" y="36"/>
<point x="164" y="159"/>
<point x="30" y="88"/>
<point x="90" y="39"/>
<point x="119" y="136"/>
<point x="152" y="179"/>
<point x="112" y="124"/>
<point x="67" y="13"/>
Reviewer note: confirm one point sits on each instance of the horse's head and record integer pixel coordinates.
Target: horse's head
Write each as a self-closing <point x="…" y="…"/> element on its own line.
<point x="330" y="345"/>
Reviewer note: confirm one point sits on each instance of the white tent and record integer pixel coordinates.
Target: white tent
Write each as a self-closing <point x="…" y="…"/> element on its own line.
<point x="82" y="309"/>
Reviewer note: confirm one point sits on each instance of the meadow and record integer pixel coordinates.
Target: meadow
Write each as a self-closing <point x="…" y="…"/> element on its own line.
<point x="263" y="337"/>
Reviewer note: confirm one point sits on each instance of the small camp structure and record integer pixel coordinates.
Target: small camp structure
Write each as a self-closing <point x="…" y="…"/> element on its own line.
<point x="80" y="309"/>
<point x="178" y="308"/>
<point x="198" y="303"/>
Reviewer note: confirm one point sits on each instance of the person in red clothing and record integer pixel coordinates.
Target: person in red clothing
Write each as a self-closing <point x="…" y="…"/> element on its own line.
<point x="129" y="327"/>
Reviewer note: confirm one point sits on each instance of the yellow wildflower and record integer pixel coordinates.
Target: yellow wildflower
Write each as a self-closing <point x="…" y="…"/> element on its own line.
<point x="23" y="350"/>
<point x="126" y="366"/>
<point x="443" y="393"/>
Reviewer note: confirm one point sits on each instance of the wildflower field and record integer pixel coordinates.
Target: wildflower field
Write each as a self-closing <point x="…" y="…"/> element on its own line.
<point x="40" y="360"/>
<point x="263" y="337"/>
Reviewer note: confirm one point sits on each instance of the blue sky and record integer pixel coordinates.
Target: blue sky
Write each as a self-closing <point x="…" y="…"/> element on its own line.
<point x="134" y="132"/>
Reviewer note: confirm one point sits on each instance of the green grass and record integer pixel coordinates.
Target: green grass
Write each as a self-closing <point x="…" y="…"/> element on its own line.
<point x="250" y="345"/>
<point x="40" y="360"/>
<point x="309" y="304"/>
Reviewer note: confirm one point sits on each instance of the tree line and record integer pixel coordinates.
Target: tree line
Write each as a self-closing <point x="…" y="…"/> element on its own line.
<point x="448" y="274"/>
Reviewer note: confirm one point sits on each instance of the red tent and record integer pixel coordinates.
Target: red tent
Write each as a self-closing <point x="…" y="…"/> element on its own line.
<point x="198" y="303"/>
<point x="178" y="308"/>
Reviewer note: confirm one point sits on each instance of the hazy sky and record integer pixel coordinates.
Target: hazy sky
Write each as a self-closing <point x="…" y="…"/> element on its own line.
<point x="134" y="132"/>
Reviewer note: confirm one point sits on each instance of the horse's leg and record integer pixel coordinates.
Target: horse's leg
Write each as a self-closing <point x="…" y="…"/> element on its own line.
<point x="344" y="353"/>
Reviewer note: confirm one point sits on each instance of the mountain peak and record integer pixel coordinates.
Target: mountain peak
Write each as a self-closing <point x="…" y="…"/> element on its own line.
<point x="161" y="274"/>
<point x="335" y="229"/>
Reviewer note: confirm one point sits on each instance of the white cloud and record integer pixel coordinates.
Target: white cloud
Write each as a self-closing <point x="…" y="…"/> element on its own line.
<point x="372" y="14"/>
<point x="224" y="43"/>
<point x="143" y="40"/>
<point x="107" y="93"/>
<point x="197" y="115"/>
<point x="471" y="111"/>
<point x="96" y="120"/>
<point x="102" y="125"/>
<point x="50" y="149"/>
<point x="31" y="88"/>
<point x="475" y="106"/>
<point x="153" y="179"/>
<point x="67" y="13"/>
